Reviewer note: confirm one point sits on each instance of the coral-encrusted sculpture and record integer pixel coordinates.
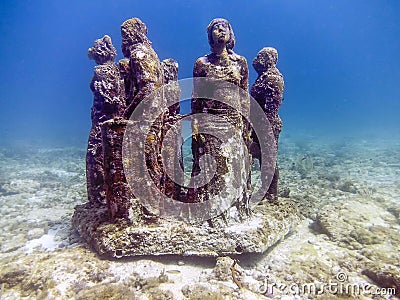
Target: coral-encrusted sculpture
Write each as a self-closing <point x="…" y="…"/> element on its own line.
<point x="143" y="73"/>
<point x="146" y="73"/>
<point x="109" y="102"/>
<point x="225" y="65"/>
<point x="140" y="176"/>
<point x="268" y="92"/>
<point x="170" y="69"/>
<point x="172" y="151"/>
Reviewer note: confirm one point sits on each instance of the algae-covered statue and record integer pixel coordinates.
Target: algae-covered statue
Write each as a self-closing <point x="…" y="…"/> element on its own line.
<point x="143" y="94"/>
<point x="145" y="67"/>
<point x="173" y="149"/>
<point x="224" y="65"/>
<point x="142" y="73"/>
<point x="109" y="102"/>
<point x="147" y="76"/>
<point x="268" y="92"/>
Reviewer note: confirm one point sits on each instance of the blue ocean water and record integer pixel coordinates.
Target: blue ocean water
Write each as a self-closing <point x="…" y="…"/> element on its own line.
<point x="340" y="60"/>
<point x="339" y="152"/>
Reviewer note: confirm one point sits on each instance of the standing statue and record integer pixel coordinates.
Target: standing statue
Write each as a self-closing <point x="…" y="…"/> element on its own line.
<point x="225" y="65"/>
<point x="146" y="73"/>
<point x="142" y="75"/>
<point x="109" y="102"/>
<point x="170" y="70"/>
<point x="146" y="76"/>
<point x="172" y="150"/>
<point x="268" y="92"/>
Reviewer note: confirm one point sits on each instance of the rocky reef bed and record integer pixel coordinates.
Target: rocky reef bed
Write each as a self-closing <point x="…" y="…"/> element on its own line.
<point x="348" y="194"/>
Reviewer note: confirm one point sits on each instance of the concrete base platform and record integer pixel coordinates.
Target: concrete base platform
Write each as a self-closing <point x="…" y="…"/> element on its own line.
<point x="268" y="224"/>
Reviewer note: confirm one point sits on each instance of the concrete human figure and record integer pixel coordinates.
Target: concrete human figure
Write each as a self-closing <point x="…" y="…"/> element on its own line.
<point x="172" y="150"/>
<point x="225" y="65"/>
<point x="146" y="72"/>
<point x="108" y="102"/>
<point x="268" y="92"/>
<point x="146" y="76"/>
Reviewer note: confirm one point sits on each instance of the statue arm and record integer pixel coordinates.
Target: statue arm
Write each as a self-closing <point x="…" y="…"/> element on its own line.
<point x="143" y="92"/>
<point x="245" y="105"/>
<point x="244" y="72"/>
<point x="99" y="84"/>
<point x="244" y="84"/>
<point x="92" y="86"/>
<point x="94" y="83"/>
<point x="198" y="71"/>
<point x="144" y="79"/>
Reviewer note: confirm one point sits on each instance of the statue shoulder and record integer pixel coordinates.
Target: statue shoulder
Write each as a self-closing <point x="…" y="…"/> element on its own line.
<point x="238" y="58"/>
<point x="199" y="66"/>
<point x="201" y="61"/>
<point x="242" y="59"/>
<point x="243" y="62"/>
<point x="143" y="52"/>
<point x="139" y="53"/>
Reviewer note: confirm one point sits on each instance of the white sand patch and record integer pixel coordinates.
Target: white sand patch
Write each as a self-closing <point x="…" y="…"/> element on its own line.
<point x="178" y="275"/>
<point x="46" y="242"/>
<point x="253" y="223"/>
<point x="63" y="173"/>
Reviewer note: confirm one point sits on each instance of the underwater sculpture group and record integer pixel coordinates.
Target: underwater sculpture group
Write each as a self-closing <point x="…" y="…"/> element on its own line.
<point x="138" y="201"/>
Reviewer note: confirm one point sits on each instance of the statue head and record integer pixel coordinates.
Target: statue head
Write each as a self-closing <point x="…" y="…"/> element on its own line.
<point x="230" y="43"/>
<point x="133" y="31"/>
<point x="266" y="58"/>
<point x="102" y="51"/>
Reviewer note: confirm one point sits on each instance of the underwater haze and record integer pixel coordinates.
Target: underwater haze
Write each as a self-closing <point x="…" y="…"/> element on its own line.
<point x="340" y="60"/>
<point x="338" y="156"/>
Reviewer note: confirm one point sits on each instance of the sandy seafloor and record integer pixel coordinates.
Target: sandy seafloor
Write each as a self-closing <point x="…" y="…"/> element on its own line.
<point x="347" y="190"/>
